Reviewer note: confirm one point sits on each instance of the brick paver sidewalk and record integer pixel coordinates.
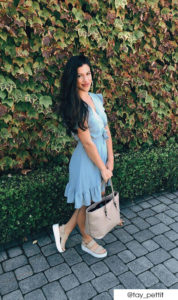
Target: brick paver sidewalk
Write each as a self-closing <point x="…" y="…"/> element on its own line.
<point x="141" y="254"/>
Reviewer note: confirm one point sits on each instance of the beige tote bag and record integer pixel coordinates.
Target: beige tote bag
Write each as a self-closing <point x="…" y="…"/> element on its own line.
<point x="103" y="216"/>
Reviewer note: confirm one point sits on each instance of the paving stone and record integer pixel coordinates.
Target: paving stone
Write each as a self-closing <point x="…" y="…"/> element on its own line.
<point x="31" y="283"/>
<point x="54" y="291"/>
<point x="170" y="196"/>
<point x="16" y="295"/>
<point x="69" y="282"/>
<point x="152" y="220"/>
<point x="165" y="200"/>
<point x="136" y="248"/>
<point x="126" y="256"/>
<point x="159" y="208"/>
<point x="103" y="296"/>
<point x="164" y="275"/>
<point x="116" y="265"/>
<point x="109" y="238"/>
<point x="164" y="242"/>
<point x="136" y="208"/>
<point x="146" y="213"/>
<point x="172" y="235"/>
<point x="165" y="218"/>
<point x="130" y="281"/>
<point x="174" y="286"/>
<point x="176" y="219"/>
<point x="14" y="252"/>
<point x="8" y="283"/>
<point x="44" y="240"/>
<point x="176" y="242"/>
<point x="171" y="213"/>
<point x="74" y="240"/>
<point x="83" y="291"/>
<point x="159" y="228"/>
<point x="57" y="272"/>
<point x="174" y="206"/>
<point x="158" y="256"/>
<point x="174" y="226"/>
<point x="38" y="263"/>
<point x="83" y="272"/>
<point x="90" y="260"/>
<point x="79" y="249"/>
<point x="172" y="265"/>
<point x="35" y="295"/>
<point x="1" y="271"/>
<point x="23" y="272"/>
<point x="143" y="235"/>
<point x="105" y="282"/>
<point x="123" y="235"/>
<point x="159" y="286"/>
<point x="174" y="253"/>
<point x="49" y="249"/>
<point x="131" y="229"/>
<point x="128" y="213"/>
<point x="71" y="257"/>
<point x="115" y="248"/>
<point x="148" y="279"/>
<point x="3" y="255"/>
<point x="145" y="205"/>
<point x="55" y="259"/>
<point x="150" y="245"/>
<point x="154" y="202"/>
<point x="99" y="268"/>
<point x="14" y="263"/>
<point x="140" y="223"/>
<point x="30" y="249"/>
<point x="140" y="265"/>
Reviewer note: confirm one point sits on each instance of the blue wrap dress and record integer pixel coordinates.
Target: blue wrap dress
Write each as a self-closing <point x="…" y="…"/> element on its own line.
<point x="85" y="178"/>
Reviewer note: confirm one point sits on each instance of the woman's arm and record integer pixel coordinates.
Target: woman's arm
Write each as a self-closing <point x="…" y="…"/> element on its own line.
<point x="93" y="154"/>
<point x="110" y="161"/>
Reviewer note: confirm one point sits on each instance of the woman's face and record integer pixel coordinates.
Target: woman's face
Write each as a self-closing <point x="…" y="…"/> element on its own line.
<point x="84" y="78"/>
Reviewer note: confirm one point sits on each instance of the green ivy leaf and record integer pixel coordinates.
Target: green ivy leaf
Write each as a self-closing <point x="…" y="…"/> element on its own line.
<point x="2" y="95"/>
<point x="46" y="101"/>
<point x="120" y="3"/>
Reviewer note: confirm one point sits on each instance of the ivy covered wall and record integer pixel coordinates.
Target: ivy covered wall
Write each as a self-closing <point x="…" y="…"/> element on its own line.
<point x="132" y="47"/>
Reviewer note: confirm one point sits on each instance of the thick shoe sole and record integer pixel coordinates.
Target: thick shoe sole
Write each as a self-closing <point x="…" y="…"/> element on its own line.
<point x="57" y="237"/>
<point x="93" y="253"/>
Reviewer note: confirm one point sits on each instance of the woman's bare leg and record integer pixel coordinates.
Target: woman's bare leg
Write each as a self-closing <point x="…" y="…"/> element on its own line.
<point x="66" y="229"/>
<point x="81" y="224"/>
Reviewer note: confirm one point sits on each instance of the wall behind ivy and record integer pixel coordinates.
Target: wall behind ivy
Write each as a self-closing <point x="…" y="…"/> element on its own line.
<point x="132" y="47"/>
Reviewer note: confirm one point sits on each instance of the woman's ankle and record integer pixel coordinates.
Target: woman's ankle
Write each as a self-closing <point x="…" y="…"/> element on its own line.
<point x="86" y="238"/>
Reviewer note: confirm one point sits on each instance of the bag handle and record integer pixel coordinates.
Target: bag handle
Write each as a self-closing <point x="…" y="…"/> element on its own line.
<point x="112" y="197"/>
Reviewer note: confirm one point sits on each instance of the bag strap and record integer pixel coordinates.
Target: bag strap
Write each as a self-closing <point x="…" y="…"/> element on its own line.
<point x="112" y="197"/>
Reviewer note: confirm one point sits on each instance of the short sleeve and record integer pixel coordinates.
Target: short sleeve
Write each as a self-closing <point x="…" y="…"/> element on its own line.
<point x="100" y="96"/>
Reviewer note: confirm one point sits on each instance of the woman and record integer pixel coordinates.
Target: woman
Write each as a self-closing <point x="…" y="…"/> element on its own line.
<point x="92" y="160"/>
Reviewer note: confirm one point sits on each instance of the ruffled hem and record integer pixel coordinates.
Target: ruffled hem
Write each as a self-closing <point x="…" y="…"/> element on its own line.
<point x="81" y="198"/>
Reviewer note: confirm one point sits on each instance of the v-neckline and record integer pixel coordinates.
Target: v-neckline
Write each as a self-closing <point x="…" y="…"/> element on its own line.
<point x="94" y="105"/>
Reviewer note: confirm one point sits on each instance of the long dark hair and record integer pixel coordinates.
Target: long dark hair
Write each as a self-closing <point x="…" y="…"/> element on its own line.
<point x="73" y="110"/>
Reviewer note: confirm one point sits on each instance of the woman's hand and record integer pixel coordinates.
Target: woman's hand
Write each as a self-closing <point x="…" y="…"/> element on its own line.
<point x="106" y="174"/>
<point x="110" y="165"/>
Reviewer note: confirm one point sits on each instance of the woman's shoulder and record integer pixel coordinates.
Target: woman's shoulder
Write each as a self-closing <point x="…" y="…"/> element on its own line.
<point x="98" y="97"/>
